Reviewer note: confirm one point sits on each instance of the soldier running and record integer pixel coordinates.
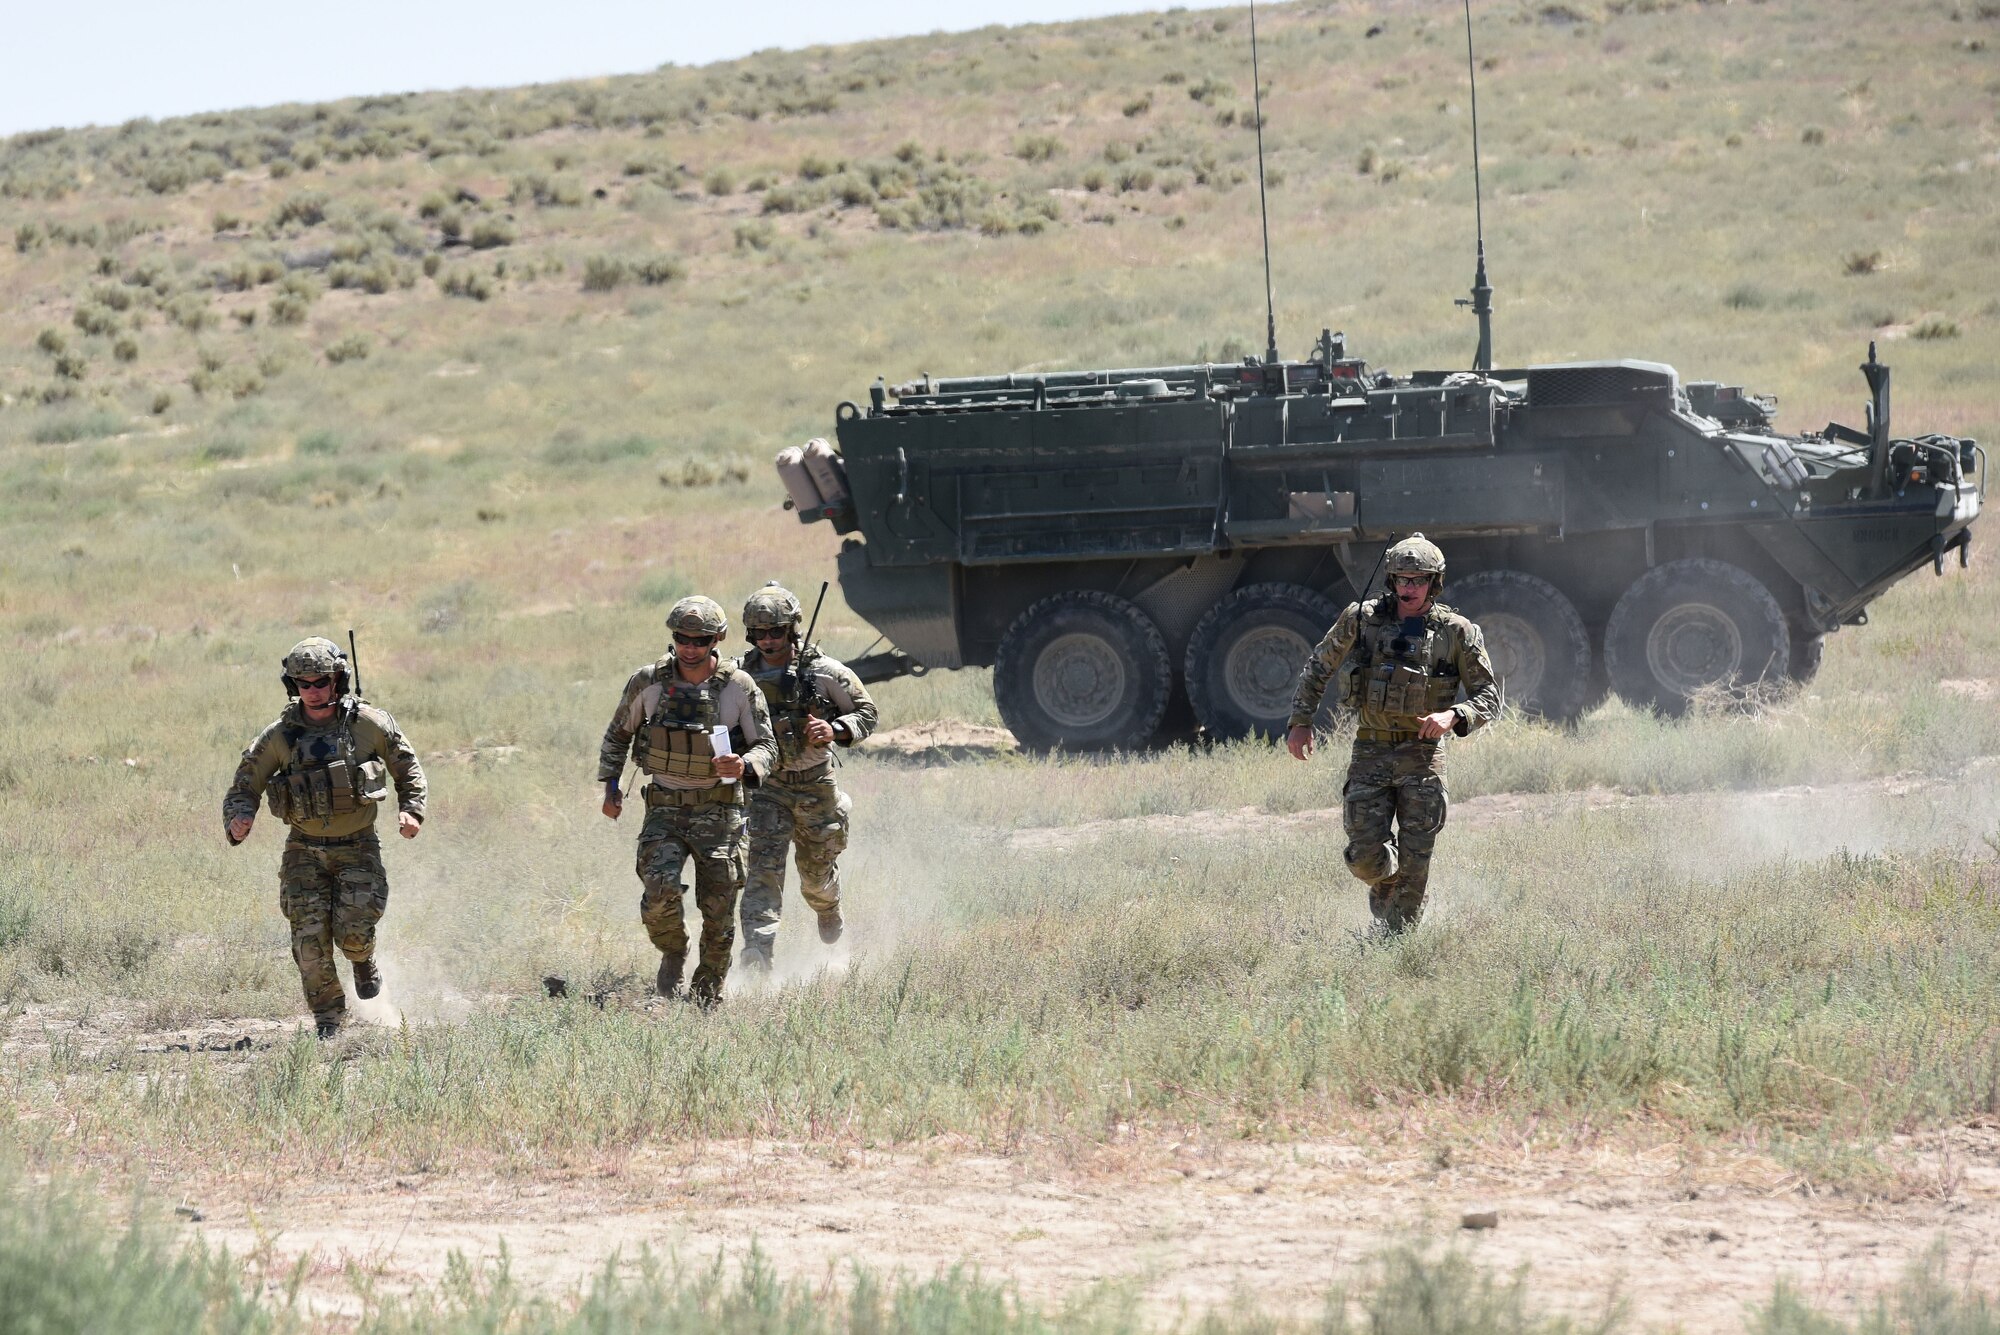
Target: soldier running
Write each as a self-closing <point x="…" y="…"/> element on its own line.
<point x="324" y="767"/>
<point x="668" y="719"/>
<point x="816" y="704"/>
<point x="1402" y="659"/>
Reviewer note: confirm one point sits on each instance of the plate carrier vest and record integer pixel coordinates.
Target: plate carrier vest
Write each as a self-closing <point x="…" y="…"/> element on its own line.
<point x="675" y="739"/>
<point x="1389" y="673"/>
<point x="304" y="791"/>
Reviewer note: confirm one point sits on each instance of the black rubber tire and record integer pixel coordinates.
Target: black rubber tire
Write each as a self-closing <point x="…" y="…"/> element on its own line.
<point x="1099" y="649"/>
<point x="1807" y="650"/>
<point x="1244" y="656"/>
<point x="1693" y="624"/>
<point x="1535" y="637"/>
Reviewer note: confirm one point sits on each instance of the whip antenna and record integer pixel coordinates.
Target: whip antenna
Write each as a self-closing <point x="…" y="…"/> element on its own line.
<point x="1482" y="291"/>
<point x="1263" y="206"/>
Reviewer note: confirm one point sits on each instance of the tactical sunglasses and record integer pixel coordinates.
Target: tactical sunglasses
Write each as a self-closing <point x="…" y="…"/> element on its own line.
<point x="771" y="633"/>
<point x="694" y="641"/>
<point x="314" y="683"/>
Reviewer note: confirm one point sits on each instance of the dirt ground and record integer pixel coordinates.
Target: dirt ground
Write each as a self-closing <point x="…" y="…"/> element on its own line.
<point x="1689" y="1238"/>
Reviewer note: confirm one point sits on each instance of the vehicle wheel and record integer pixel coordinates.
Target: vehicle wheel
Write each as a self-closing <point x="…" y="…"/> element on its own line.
<point x="1536" y="639"/>
<point x="1244" y="657"/>
<point x="1692" y="624"/>
<point x="1807" y="650"/>
<point x="1083" y="671"/>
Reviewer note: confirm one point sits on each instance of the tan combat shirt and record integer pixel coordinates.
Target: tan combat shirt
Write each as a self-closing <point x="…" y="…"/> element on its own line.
<point x="844" y="702"/>
<point x="739" y="706"/>
<point x="376" y="737"/>
<point x="1449" y="640"/>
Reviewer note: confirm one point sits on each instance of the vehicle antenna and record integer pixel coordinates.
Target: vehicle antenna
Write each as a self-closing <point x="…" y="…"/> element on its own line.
<point x="1482" y="291"/>
<point x="354" y="663"/>
<point x="1263" y="206"/>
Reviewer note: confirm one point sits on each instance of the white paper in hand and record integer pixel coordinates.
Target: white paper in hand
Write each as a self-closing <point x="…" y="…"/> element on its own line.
<point x="718" y="742"/>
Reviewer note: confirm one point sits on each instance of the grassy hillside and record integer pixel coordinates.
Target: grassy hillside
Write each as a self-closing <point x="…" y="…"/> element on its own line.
<point x="495" y="376"/>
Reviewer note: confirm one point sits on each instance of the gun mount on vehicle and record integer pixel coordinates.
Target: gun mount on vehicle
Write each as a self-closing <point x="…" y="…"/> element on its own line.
<point x="1130" y="549"/>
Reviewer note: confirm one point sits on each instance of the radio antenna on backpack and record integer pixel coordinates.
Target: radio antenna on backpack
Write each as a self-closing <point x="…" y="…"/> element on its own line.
<point x="1263" y="206"/>
<point x="1482" y="291"/>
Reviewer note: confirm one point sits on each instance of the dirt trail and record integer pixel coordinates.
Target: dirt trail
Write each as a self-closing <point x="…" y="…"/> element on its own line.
<point x="1686" y="1240"/>
<point x="1807" y="818"/>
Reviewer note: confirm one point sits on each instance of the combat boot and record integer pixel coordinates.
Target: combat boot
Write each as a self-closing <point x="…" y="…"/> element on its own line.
<point x="668" y="982"/>
<point x="830" y="926"/>
<point x="756" y="954"/>
<point x="706" y="990"/>
<point x="367" y="980"/>
<point x="327" y="1025"/>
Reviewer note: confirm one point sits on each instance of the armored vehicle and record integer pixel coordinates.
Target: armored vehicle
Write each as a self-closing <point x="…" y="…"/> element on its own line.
<point x="1137" y="551"/>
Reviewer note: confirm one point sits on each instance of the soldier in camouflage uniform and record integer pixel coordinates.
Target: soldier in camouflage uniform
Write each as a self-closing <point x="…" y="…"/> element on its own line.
<point x="666" y="720"/>
<point x="1402" y="659"/>
<point x="324" y="767"/>
<point x="816" y="704"/>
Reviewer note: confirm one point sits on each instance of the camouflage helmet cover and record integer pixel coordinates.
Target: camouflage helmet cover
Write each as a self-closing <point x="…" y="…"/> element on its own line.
<point x="772" y="605"/>
<point x="697" y="615"/>
<point x="1415" y="555"/>
<point x="314" y="657"/>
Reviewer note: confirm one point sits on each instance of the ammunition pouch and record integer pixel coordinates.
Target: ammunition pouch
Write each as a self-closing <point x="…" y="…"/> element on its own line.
<point x="1407" y="690"/>
<point x="322" y="792"/>
<point x="1351" y="679"/>
<point x="666" y="751"/>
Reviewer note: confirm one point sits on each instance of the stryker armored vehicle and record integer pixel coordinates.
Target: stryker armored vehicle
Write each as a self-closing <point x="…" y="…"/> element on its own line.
<point x="1131" y="549"/>
<point x="1137" y="552"/>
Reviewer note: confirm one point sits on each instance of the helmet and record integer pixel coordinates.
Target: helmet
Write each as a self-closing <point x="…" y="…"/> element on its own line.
<point x="315" y="657"/>
<point x="1415" y="555"/>
<point x="697" y="615"/>
<point x="771" y="605"/>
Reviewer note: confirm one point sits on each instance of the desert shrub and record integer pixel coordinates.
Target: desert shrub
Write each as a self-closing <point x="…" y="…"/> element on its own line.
<point x="755" y="235"/>
<point x="1208" y="90"/>
<point x="27" y="237"/>
<point x="352" y="348"/>
<point x="307" y="208"/>
<point x="546" y="191"/>
<point x="1135" y="179"/>
<point x="814" y="168"/>
<point x="720" y="181"/>
<point x="432" y="205"/>
<point x="491" y="233"/>
<point x="602" y="273"/>
<point x="114" y="295"/>
<point x="467" y="283"/>
<point x="1935" y="328"/>
<point x="74" y="426"/>
<point x="163" y="399"/>
<point x="1858" y="262"/>
<point x="289" y="308"/>
<point x="71" y="366"/>
<point x="1813" y="135"/>
<point x="52" y="342"/>
<point x="658" y="271"/>
<point x="1138" y="106"/>
<point x="94" y="319"/>
<point x="1095" y="179"/>
<point x="1037" y="147"/>
<point x="125" y="350"/>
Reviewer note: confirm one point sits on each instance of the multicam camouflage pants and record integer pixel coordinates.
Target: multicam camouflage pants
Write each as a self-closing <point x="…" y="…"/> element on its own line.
<point x="1403" y="783"/>
<point x="332" y="895"/>
<point x="713" y="836"/>
<point x="810" y="816"/>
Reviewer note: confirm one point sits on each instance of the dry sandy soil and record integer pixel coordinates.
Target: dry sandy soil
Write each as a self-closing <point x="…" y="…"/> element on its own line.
<point x="1688" y="1238"/>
